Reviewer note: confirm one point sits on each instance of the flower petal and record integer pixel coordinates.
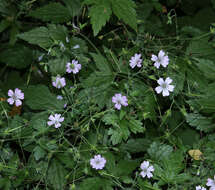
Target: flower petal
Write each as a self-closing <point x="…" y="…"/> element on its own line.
<point x="158" y="89"/>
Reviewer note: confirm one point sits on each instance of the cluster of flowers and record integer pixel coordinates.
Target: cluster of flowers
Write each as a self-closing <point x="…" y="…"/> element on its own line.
<point x="164" y="85"/>
<point x="98" y="163"/>
<point x="73" y="67"/>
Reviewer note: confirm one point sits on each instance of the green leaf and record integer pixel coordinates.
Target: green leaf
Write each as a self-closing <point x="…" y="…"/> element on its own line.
<point x="74" y="7"/>
<point x="200" y="122"/>
<point x="158" y="151"/>
<point x="135" y="126"/>
<point x="125" y="10"/>
<point x="58" y="66"/>
<point x="38" y="36"/>
<point x="18" y="56"/>
<point x="56" y="175"/>
<point x="99" y="14"/>
<point x="39" y="152"/>
<point x="5" y="183"/>
<point x="96" y="183"/>
<point x="101" y="63"/>
<point x="201" y="48"/>
<point x="54" y="12"/>
<point x="207" y="67"/>
<point x="136" y="145"/>
<point x="40" y="98"/>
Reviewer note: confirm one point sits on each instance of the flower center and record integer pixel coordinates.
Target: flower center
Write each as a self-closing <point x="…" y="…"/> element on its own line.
<point x="14" y="97"/>
<point x="164" y="85"/>
<point x="97" y="162"/>
<point x="72" y="66"/>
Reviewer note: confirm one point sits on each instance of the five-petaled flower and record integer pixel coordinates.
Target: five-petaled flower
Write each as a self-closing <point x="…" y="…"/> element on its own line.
<point x="55" y="120"/>
<point x="211" y="183"/>
<point x="200" y="188"/>
<point x="165" y="86"/>
<point x="119" y="100"/>
<point x="161" y="59"/>
<point x="135" y="61"/>
<point x="59" y="82"/>
<point x="73" y="67"/>
<point x="98" y="162"/>
<point x="146" y="169"/>
<point x="15" y="96"/>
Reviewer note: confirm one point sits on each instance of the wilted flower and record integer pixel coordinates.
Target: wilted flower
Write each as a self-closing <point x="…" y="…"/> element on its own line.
<point x="73" y="67"/>
<point x="56" y="120"/>
<point x="200" y="188"/>
<point x="119" y="100"/>
<point x="211" y="183"/>
<point x="98" y="162"/>
<point x="146" y="169"/>
<point x="59" y="82"/>
<point x="15" y="96"/>
<point x="135" y="61"/>
<point x="161" y="59"/>
<point x="165" y="86"/>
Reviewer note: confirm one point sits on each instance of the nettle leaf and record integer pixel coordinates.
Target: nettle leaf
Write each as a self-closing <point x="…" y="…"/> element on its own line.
<point x="99" y="14"/>
<point x="56" y="175"/>
<point x="40" y="98"/>
<point x="158" y="151"/>
<point x="101" y="63"/>
<point x="96" y="183"/>
<point x="58" y="66"/>
<point x="74" y="7"/>
<point x="18" y="56"/>
<point x="54" y="12"/>
<point x="125" y="10"/>
<point x="38" y="36"/>
<point x="200" y="122"/>
<point x="136" y="145"/>
<point x="207" y="67"/>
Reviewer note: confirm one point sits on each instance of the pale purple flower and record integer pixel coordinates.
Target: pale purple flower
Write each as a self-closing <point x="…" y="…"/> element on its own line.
<point x="98" y="162"/>
<point x="76" y="46"/>
<point x="119" y="100"/>
<point x="135" y="61"/>
<point x="59" y="97"/>
<point x="15" y="96"/>
<point x="161" y="59"/>
<point x="211" y="183"/>
<point x="146" y="169"/>
<point x="200" y="188"/>
<point x="165" y="86"/>
<point x="55" y="120"/>
<point x="59" y="82"/>
<point x="73" y="67"/>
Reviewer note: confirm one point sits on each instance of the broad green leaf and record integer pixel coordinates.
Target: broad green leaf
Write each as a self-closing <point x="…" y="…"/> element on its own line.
<point x="40" y="98"/>
<point x="136" y="145"/>
<point x="39" y="152"/>
<point x="5" y="183"/>
<point x="73" y="6"/>
<point x="18" y="56"/>
<point x="96" y="183"/>
<point x="207" y="67"/>
<point x="158" y="151"/>
<point x="200" y="122"/>
<point x="201" y="48"/>
<point x="99" y="14"/>
<point x="56" y="175"/>
<point x="101" y="63"/>
<point x="54" y="12"/>
<point x="58" y="66"/>
<point x="125" y="10"/>
<point x="38" y="36"/>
